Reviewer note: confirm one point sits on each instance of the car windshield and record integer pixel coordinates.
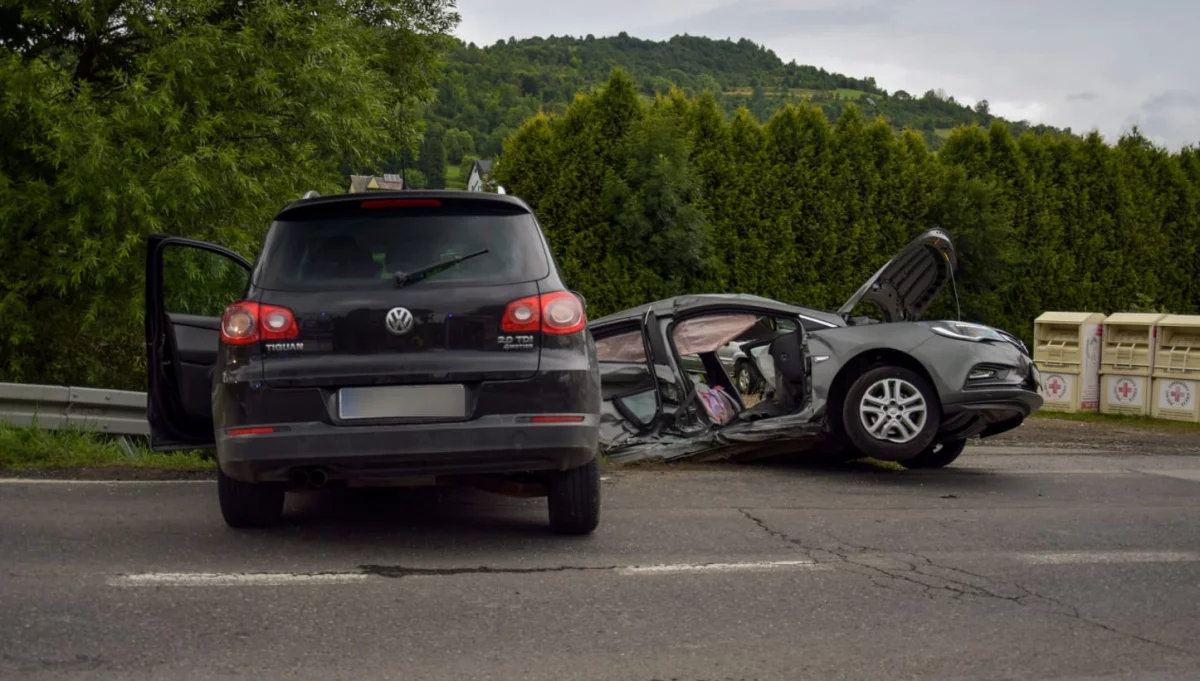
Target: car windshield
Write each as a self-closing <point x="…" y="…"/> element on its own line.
<point x="356" y="249"/>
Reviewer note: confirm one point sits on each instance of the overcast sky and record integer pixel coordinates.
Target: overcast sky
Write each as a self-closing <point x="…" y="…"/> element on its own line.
<point x="1104" y="64"/>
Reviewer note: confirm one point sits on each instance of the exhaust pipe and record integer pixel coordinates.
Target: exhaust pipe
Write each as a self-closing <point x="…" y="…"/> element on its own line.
<point x="316" y="477"/>
<point x="299" y="477"/>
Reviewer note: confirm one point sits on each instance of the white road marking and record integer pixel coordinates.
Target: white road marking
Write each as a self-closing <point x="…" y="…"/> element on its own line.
<point x="191" y="579"/>
<point x="719" y="567"/>
<point x="1190" y="475"/>
<point x="219" y="579"/>
<point x="236" y="578"/>
<point x="1094" y="557"/>
<point x="47" y="481"/>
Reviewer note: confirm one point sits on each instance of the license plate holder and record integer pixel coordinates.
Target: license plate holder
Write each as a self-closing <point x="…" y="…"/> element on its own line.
<point x="448" y="401"/>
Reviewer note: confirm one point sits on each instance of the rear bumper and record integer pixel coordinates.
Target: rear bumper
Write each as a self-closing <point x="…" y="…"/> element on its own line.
<point x="491" y="444"/>
<point x="986" y="412"/>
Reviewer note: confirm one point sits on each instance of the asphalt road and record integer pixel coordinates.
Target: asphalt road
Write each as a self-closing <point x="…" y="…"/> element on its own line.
<point x="1017" y="564"/>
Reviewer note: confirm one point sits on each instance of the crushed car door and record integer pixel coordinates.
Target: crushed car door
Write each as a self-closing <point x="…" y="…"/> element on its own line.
<point x="188" y="285"/>
<point x="641" y="392"/>
<point x="631" y="401"/>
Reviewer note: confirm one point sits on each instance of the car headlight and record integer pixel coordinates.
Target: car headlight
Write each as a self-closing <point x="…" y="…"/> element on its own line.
<point x="967" y="331"/>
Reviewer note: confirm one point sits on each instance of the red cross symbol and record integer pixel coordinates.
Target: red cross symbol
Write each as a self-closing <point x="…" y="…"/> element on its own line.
<point x="1125" y="389"/>
<point x="1055" y="386"/>
<point x="1177" y="394"/>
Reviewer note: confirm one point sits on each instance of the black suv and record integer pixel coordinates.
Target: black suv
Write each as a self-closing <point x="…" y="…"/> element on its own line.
<point x="380" y="338"/>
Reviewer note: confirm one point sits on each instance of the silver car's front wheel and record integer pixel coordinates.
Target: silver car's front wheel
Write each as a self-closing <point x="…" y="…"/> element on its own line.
<point x="890" y="413"/>
<point x="893" y="410"/>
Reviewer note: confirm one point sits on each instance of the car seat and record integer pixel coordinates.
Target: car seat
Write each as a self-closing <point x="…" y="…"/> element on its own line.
<point x="791" y="374"/>
<point x="790" y="379"/>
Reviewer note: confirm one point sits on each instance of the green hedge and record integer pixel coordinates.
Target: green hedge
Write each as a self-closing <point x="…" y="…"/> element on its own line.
<point x="643" y="201"/>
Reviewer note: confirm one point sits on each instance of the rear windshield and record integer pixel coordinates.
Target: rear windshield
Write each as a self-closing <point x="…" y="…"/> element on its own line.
<point x="353" y="248"/>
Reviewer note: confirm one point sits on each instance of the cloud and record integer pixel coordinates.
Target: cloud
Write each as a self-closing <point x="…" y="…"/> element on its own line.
<point x="1170" y="116"/>
<point x="1085" y="96"/>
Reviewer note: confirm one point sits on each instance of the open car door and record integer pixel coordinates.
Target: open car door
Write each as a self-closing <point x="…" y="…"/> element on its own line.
<point x="640" y="389"/>
<point x="188" y="285"/>
<point x="628" y="383"/>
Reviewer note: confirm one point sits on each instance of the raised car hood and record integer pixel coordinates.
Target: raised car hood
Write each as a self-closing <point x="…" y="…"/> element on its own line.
<point x="905" y="287"/>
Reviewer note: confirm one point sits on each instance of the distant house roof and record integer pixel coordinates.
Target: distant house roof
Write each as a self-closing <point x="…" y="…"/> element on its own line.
<point x="480" y="170"/>
<point x="366" y="183"/>
<point x="481" y="167"/>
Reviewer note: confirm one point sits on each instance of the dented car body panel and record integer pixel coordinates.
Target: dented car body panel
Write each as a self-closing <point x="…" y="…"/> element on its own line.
<point x="665" y="368"/>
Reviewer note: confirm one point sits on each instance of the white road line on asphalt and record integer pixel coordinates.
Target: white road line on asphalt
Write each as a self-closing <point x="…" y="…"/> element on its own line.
<point x="41" y="481"/>
<point x="719" y="567"/>
<point x="192" y="579"/>
<point x="1108" y="557"/>
<point x="1191" y="475"/>
<point x="220" y="579"/>
<point x="236" y="578"/>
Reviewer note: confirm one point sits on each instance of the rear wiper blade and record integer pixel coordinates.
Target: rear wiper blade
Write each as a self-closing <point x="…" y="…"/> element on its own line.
<point x="418" y="274"/>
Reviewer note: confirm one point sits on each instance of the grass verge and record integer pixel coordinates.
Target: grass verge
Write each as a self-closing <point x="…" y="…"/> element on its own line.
<point x="37" y="449"/>
<point x="1139" y="422"/>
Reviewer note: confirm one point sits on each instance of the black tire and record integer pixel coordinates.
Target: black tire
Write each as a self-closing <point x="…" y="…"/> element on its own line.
<point x="574" y="500"/>
<point x="937" y="456"/>
<point x="754" y="380"/>
<point x="246" y="504"/>
<point x="870" y="445"/>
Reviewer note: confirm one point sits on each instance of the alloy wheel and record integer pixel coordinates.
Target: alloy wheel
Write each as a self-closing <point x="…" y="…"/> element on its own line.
<point x="893" y="410"/>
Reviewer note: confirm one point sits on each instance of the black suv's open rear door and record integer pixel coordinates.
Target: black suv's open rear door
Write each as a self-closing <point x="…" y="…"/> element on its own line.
<point x="183" y="335"/>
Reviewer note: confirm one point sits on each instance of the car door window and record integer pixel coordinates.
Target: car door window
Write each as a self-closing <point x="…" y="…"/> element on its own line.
<point x="739" y="342"/>
<point x="200" y="282"/>
<point x="627" y="387"/>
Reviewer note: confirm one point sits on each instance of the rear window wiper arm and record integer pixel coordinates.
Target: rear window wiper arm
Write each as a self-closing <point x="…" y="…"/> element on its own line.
<point x="403" y="278"/>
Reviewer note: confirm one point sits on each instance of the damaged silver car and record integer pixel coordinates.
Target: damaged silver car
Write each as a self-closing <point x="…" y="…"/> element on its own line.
<point x="832" y="385"/>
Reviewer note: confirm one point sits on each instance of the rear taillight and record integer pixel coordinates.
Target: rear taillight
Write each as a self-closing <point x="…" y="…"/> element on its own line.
<point x="562" y="313"/>
<point x="239" y="324"/>
<point x="558" y="313"/>
<point x="245" y="323"/>
<point x="522" y="316"/>
<point x="277" y="323"/>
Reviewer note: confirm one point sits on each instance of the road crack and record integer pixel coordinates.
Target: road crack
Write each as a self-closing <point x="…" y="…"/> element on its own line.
<point x="934" y="579"/>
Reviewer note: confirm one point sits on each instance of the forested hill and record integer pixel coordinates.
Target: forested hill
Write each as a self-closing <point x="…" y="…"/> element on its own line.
<point x="489" y="91"/>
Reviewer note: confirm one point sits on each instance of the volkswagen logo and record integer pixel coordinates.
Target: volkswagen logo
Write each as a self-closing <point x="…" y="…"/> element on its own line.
<point x="399" y="321"/>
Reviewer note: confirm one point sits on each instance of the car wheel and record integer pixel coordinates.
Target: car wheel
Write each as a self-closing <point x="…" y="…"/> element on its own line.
<point x="574" y="499"/>
<point x="937" y="456"/>
<point x="247" y="504"/>
<point x="891" y="413"/>
<point x="746" y="377"/>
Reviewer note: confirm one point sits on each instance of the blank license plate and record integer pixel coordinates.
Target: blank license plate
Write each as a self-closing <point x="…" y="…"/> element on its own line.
<point x="403" y="401"/>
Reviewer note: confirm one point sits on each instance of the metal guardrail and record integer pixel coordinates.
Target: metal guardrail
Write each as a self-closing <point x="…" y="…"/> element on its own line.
<point x="53" y="407"/>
